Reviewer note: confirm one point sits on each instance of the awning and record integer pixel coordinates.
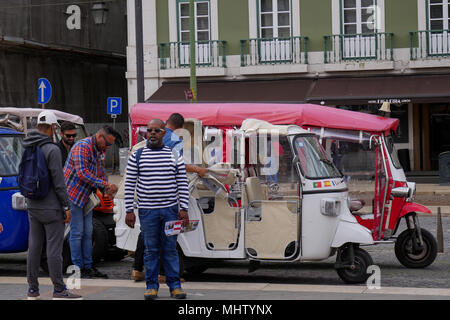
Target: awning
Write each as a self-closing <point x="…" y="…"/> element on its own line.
<point x="376" y="90"/>
<point x="286" y="90"/>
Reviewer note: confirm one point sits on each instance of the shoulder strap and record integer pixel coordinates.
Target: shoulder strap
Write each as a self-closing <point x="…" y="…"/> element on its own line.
<point x="138" y="157"/>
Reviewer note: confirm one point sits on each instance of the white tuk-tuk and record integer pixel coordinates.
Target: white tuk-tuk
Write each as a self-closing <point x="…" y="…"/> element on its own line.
<point x="272" y="196"/>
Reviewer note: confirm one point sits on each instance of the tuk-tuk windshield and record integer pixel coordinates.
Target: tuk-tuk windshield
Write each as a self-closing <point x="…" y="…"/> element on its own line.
<point x="11" y="150"/>
<point x="313" y="159"/>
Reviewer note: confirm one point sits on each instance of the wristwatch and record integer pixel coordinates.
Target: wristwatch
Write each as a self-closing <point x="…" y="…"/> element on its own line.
<point x="66" y="208"/>
<point x="130" y="212"/>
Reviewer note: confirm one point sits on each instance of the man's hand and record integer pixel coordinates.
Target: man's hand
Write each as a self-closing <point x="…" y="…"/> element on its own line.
<point x="130" y="219"/>
<point x="111" y="189"/>
<point x="183" y="215"/>
<point x="202" y="171"/>
<point x="68" y="215"/>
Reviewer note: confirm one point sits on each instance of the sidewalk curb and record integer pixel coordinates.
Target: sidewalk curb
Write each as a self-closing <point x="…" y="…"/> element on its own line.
<point x="266" y="287"/>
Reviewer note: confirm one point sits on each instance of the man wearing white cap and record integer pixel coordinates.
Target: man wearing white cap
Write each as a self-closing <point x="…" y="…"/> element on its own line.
<point x="47" y="215"/>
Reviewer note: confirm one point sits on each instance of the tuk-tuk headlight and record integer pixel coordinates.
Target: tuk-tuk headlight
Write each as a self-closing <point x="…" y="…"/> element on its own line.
<point x="412" y="191"/>
<point x="18" y="201"/>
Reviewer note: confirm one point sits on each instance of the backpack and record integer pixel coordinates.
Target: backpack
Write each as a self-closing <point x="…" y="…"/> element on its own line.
<point x="34" y="178"/>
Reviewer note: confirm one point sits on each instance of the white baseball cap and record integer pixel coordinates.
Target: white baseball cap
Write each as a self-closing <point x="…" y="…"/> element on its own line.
<point x="47" y="117"/>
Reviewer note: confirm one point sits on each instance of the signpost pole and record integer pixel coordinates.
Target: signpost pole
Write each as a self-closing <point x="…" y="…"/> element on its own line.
<point x="193" y="77"/>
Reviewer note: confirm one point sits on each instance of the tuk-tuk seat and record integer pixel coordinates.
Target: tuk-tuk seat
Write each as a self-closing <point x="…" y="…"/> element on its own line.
<point x="254" y="189"/>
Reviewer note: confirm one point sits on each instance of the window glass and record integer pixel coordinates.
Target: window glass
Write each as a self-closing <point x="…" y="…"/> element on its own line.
<point x="313" y="160"/>
<point x="350" y="3"/>
<point x="266" y="5"/>
<point x="11" y="150"/>
<point x="367" y="3"/>
<point x="266" y="20"/>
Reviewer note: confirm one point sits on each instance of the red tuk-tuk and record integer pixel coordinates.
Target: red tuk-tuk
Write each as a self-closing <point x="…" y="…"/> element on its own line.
<point x="393" y="195"/>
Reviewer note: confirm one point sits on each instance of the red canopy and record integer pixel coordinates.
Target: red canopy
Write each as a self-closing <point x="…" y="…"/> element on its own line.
<point x="232" y="114"/>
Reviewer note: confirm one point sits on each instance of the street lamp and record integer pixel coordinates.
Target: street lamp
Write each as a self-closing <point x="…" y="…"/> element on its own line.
<point x="99" y="12"/>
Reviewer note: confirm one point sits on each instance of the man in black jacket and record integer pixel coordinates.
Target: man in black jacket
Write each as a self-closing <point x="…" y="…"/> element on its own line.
<point x="48" y="215"/>
<point x="68" y="135"/>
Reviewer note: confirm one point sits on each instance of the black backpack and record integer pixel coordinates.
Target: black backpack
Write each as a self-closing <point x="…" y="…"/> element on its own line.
<point x="34" y="178"/>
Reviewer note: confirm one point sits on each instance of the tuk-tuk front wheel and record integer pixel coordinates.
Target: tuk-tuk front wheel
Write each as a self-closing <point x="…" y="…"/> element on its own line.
<point x="409" y="251"/>
<point x="355" y="271"/>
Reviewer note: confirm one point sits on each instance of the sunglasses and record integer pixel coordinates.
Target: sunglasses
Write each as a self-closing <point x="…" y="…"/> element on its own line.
<point x="106" y="141"/>
<point x="71" y="135"/>
<point x="157" y="130"/>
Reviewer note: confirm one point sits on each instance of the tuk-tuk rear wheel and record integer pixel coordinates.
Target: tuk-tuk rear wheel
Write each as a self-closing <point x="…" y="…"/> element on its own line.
<point x="358" y="274"/>
<point x="408" y="256"/>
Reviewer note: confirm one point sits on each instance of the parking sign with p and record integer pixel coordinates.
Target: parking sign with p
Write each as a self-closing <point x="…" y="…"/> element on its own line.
<point x="114" y="106"/>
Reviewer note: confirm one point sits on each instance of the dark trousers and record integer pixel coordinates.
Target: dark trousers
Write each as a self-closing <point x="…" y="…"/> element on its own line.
<point x="139" y="255"/>
<point x="45" y="228"/>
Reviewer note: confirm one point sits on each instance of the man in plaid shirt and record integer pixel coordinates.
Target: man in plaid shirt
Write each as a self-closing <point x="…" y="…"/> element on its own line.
<point x="84" y="173"/>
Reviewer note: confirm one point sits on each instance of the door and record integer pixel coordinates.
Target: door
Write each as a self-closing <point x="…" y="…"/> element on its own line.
<point x="381" y="185"/>
<point x="273" y="202"/>
<point x="438" y="25"/>
<point x="358" y="39"/>
<point x="202" y="33"/>
<point x="275" y="30"/>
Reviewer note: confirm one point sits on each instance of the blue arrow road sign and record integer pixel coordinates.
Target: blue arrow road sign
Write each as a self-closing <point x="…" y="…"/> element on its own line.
<point x="44" y="91"/>
<point x="114" y="105"/>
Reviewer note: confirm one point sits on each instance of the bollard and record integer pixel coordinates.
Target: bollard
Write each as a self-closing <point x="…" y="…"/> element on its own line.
<point x="439" y="233"/>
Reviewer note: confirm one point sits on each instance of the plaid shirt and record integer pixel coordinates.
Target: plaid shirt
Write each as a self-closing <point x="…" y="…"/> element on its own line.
<point x="84" y="171"/>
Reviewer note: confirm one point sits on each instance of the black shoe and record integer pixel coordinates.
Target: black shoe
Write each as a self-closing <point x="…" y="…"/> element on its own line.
<point x="86" y="274"/>
<point x="95" y="273"/>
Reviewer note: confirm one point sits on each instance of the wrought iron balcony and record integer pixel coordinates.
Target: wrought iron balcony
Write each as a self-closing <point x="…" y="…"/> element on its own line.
<point x="175" y="55"/>
<point x="429" y="44"/>
<point x="293" y="50"/>
<point x="358" y="47"/>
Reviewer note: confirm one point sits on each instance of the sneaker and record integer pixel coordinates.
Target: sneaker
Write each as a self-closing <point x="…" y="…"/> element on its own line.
<point x="150" y="294"/>
<point x="33" y="294"/>
<point x="137" y="275"/>
<point x="66" y="295"/>
<point x="178" y="293"/>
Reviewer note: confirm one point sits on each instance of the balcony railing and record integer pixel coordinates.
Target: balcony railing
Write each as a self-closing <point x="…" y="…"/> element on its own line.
<point x="358" y="47"/>
<point x="429" y="44"/>
<point x="274" y="51"/>
<point x="207" y="54"/>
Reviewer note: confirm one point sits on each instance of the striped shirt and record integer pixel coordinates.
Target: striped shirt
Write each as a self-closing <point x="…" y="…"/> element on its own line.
<point x="161" y="182"/>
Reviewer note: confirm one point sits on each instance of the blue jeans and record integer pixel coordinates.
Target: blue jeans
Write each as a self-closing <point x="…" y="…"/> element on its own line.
<point x="80" y="238"/>
<point x="155" y="240"/>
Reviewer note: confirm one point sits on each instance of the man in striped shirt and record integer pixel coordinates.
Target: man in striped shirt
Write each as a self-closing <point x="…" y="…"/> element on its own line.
<point x="162" y="191"/>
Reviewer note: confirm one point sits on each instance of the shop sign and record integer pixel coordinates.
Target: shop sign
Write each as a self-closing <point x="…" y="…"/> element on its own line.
<point x="396" y="101"/>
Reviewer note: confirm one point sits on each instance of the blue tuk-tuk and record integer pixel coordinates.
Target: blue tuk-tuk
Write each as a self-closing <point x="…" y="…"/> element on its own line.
<point x="13" y="215"/>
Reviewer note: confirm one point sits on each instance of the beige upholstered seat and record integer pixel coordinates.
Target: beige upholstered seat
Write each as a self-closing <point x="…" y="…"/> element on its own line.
<point x="254" y="189"/>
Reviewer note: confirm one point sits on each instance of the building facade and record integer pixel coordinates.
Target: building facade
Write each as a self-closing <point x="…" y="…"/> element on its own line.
<point x="79" y="46"/>
<point x="353" y="54"/>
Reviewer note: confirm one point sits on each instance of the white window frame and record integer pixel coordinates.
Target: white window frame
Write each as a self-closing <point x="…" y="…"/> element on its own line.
<point x="445" y="15"/>
<point x="275" y="26"/>
<point x="439" y="42"/>
<point x="274" y="49"/>
<point x="358" y="46"/>
<point x="359" y="22"/>
<point x="196" y="16"/>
